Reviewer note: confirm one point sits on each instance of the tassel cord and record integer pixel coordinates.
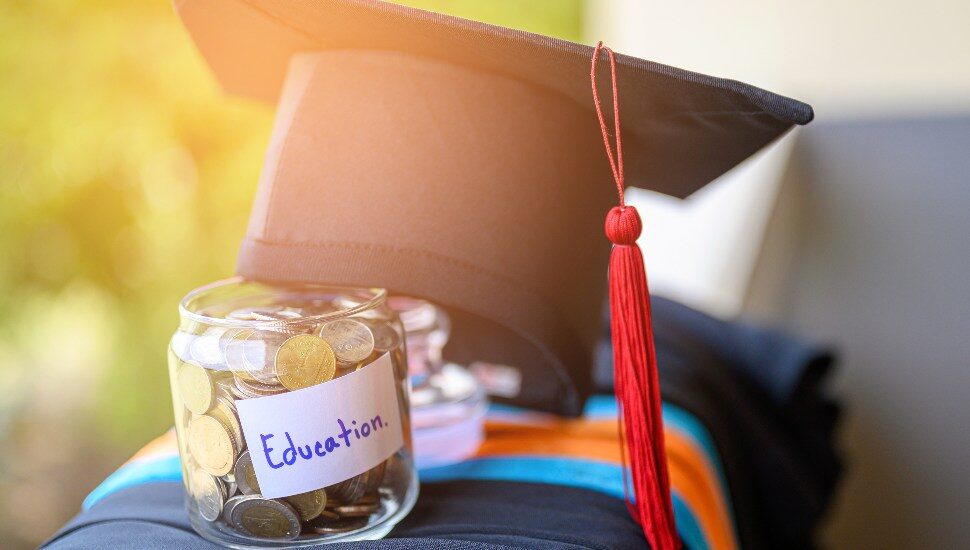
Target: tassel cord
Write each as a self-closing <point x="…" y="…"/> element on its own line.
<point x="636" y="379"/>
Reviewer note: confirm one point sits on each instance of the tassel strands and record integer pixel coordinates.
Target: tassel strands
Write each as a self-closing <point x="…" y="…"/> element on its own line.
<point x="636" y="380"/>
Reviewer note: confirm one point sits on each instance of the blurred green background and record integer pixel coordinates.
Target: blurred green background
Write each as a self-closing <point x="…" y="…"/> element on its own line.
<point x="125" y="181"/>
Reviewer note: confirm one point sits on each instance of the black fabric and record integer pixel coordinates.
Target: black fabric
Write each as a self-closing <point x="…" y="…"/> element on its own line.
<point x="760" y="393"/>
<point x="459" y="514"/>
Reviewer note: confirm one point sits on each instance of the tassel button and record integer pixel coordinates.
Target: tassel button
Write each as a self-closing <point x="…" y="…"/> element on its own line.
<point x="623" y="225"/>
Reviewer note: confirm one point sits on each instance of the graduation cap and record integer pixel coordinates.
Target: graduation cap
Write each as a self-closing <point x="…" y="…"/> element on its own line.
<point x="463" y="163"/>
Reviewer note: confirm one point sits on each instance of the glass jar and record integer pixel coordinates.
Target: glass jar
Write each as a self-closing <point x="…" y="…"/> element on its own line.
<point x="448" y="405"/>
<point x="292" y="414"/>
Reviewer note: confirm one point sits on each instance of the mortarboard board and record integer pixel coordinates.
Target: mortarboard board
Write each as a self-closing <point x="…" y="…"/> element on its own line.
<point x="461" y="162"/>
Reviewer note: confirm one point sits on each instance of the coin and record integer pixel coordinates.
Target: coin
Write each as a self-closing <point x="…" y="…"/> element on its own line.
<point x="212" y="444"/>
<point x="246" y="388"/>
<point x="351" y="340"/>
<point x="222" y="380"/>
<point x="246" y="475"/>
<point x="385" y="337"/>
<point x="356" y="510"/>
<point x="195" y="387"/>
<point x="328" y="526"/>
<point x="205" y="348"/>
<point x="344" y="371"/>
<point x="286" y="314"/>
<point x="349" y="490"/>
<point x="241" y="314"/>
<point x="225" y="412"/>
<point x="374" y="477"/>
<point x="236" y="352"/>
<point x="303" y="361"/>
<point x="208" y="492"/>
<point x="252" y="313"/>
<point x="264" y="518"/>
<point x="308" y="505"/>
<point x="249" y="352"/>
<point x="230" y="504"/>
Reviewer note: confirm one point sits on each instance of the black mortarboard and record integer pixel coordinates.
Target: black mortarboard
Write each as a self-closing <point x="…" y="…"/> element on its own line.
<point x="462" y="162"/>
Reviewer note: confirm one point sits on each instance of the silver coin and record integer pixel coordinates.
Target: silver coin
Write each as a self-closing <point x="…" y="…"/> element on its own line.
<point x="351" y="340"/>
<point x="265" y="518"/>
<point x="206" y="348"/>
<point x="250" y="352"/>
<point x="245" y="475"/>
<point x="209" y="494"/>
<point x="234" y="342"/>
<point x="227" y="337"/>
<point x="385" y="337"/>
<point x="230" y="504"/>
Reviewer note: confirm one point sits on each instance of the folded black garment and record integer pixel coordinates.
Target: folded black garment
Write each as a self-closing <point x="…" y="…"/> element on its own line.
<point x="450" y="515"/>
<point x="757" y="392"/>
<point x="760" y="393"/>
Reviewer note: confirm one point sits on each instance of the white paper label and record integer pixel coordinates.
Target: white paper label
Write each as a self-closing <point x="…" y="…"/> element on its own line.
<point x="311" y="438"/>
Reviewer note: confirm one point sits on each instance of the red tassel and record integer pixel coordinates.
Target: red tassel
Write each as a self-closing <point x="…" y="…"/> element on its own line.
<point x="636" y="381"/>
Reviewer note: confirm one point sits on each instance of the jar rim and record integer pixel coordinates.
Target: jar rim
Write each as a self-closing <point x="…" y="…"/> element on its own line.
<point x="378" y="296"/>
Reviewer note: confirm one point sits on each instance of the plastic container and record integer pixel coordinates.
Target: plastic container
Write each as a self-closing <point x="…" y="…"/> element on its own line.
<point x="448" y="405"/>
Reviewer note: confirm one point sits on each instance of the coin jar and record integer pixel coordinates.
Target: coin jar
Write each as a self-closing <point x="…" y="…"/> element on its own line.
<point x="292" y="414"/>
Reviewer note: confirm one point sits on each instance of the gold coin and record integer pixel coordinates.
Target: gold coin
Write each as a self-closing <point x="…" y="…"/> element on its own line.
<point x="303" y="361"/>
<point x="309" y="505"/>
<point x="225" y="412"/>
<point x="195" y="387"/>
<point x="213" y="445"/>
